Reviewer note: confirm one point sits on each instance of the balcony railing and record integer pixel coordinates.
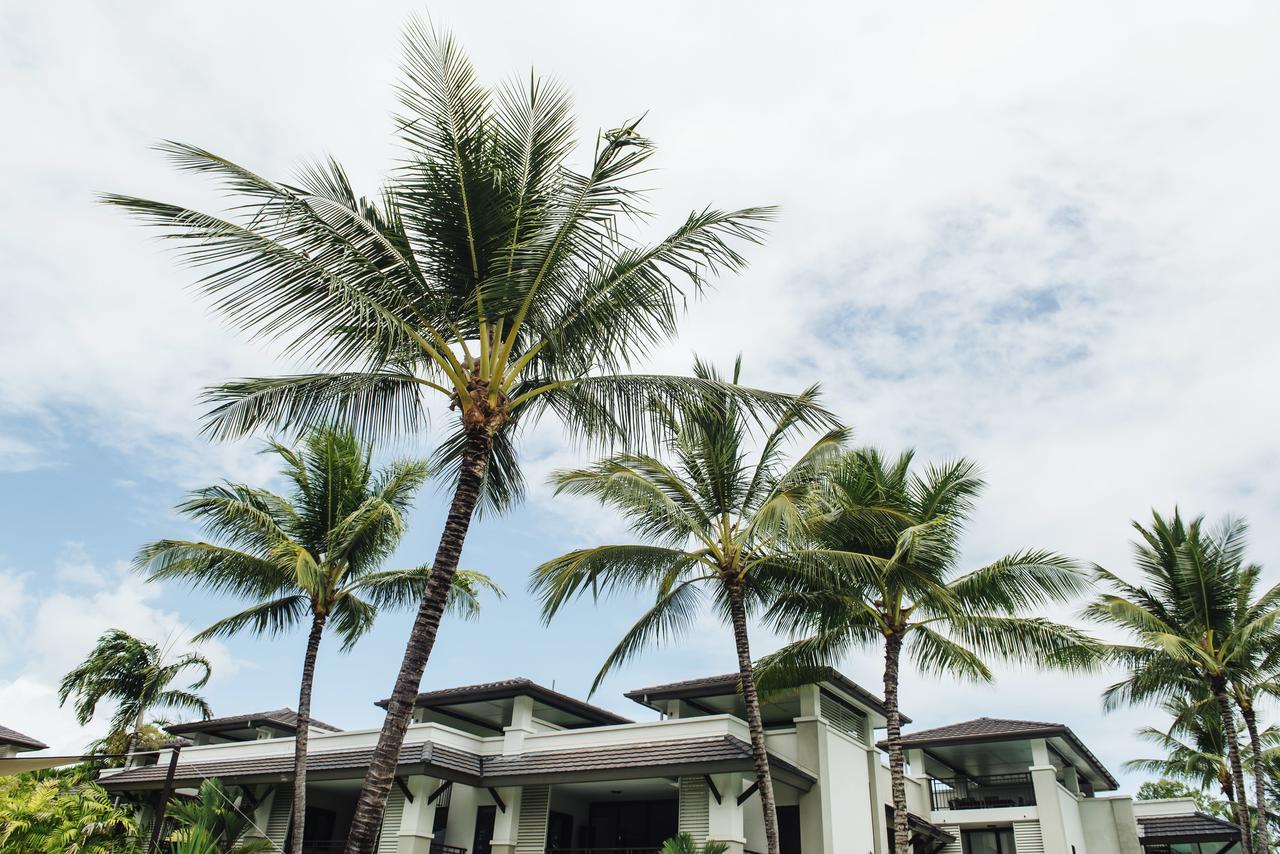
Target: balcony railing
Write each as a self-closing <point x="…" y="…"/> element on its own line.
<point x="648" y="849"/>
<point x="977" y="793"/>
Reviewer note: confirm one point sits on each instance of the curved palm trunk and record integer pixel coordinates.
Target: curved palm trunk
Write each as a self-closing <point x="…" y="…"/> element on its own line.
<point x="298" y="821"/>
<point x="760" y="756"/>
<point x="893" y="735"/>
<point x="382" y="768"/>
<point x="1237" y="773"/>
<point x="1259" y="775"/>
<point x="131" y="743"/>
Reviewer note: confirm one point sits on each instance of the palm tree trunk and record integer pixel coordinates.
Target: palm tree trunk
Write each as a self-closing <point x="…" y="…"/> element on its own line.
<point x="1259" y="775"/>
<point x="299" y="820"/>
<point x="760" y="756"/>
<point x="893" y="735"/>
<point x="1233" y="759"/>
<point x="382" y="768"/>
<point x="131" y="743"/>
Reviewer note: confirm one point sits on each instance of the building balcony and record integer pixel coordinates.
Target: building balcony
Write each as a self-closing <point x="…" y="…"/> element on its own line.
<point x="976" y="793"/>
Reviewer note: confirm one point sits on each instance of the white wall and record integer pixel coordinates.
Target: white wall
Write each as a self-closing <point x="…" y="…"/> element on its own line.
<point x="1072" y="824"/>
<point x="849" y="789"/>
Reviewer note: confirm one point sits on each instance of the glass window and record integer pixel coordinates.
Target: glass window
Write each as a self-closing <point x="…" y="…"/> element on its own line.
<point x="993" y="840"/>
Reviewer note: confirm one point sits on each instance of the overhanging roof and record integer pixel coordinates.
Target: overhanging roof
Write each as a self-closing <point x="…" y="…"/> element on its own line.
<point x="689" y="756"/>
<point x="20" y="741"/>
<point x="286" y="719"/>
<point x="1189" y="827"/>
<point x="987" y="730"/>
<point x="518" y="687"/>
<point x="728" y="683"/>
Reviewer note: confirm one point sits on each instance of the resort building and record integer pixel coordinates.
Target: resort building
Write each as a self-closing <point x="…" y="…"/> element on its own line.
<point x="513" y="767"/>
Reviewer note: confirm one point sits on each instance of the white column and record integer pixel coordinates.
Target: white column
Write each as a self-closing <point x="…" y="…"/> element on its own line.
<point x="418" y="818"/>
<point x="521" y="725"/>
<point x="725" y="818"/>
<point x="1044" y="780"/>
<point x="507" y="823"/>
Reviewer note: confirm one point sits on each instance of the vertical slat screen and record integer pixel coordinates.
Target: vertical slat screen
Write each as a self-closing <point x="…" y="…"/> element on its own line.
<point x="278" y="823"/>
<point x="695" y="808"/>
<point x="531" y="830"/>
<point x="389" y="838"/>
<point x="1027" y="838"/>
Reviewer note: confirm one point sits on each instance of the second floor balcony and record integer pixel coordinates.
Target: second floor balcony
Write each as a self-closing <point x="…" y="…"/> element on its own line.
<point x="976" y="793"/>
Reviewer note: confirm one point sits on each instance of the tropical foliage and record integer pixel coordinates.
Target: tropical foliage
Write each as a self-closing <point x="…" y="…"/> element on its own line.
<point x="488" y="277"/>
<point x="884" y="543"/>
<point x="1196" y="623"/>
<point x="61" y="813"/>
<point x="715" y="525"/>
<point x="212" y="823"/>
<point x="683" y="843"/>
<point x="138" y="677"/>
<point x="312" y="557"/>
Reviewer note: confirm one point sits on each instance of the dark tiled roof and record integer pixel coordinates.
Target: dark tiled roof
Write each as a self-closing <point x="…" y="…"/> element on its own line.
<point x="1189" y="827"/>
<point x="586" y="763"/>
<point x="444" y="760"/>
<point x="928" y="828"/>
<point x="507" y="688"/>
<point x="632" y="757"/>
<point x="285" y="718"/>
<point x="980" y="730"/>
<point x="727" y="683"/>
<point x="17" y="739"/>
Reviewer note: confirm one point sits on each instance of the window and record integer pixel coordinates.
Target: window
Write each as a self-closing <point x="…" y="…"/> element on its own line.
<point x="994" y="840"/>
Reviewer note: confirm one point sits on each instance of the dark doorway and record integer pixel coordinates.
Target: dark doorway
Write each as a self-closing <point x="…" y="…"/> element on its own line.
<point x="997" y="840"/>
<point x="559" y="830"/>
<point x="633" y="824"/>
<point x="483" y="842"/>
<point x="789" y="829"/>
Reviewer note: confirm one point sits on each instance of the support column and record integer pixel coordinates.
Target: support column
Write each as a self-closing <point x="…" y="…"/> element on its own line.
<point x="1044" y="780"/>
<point x="506" y="824"/>
<point x="418" y="819"/>
<point x="811" y="750"/>
<point x="724" y="819"/>
<point x="521" y="726"/>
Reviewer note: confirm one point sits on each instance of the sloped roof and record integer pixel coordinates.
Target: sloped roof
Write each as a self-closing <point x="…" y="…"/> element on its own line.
<point x="984" y="729"/>
<point x="17" y="739"/>
<point x="442" y="760"/>
<point x="1188" y="827"/>
<point x="727" y="683"/>
<point x="508" y="688"/>
<point x="285" y="718"/>
<point x="690" y="755"/>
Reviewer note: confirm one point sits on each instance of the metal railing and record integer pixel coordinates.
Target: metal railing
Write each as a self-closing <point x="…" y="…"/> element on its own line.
<point x="441" y="848"/>
<point x="977" y="793"/>
<point x="647" y="849"/>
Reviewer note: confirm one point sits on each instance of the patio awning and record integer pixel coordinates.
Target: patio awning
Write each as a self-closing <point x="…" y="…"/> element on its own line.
<point x="21" y="765"/>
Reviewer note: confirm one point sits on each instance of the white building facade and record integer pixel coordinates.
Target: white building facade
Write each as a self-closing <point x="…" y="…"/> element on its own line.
<point x="515" y="768"/>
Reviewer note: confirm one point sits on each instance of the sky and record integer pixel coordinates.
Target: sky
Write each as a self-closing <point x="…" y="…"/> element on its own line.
<point x="1038" y="235"/>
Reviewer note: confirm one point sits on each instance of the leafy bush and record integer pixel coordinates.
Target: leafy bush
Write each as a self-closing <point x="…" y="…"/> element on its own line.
<point x="682" y="843"/>
<point x="62" y="813"/>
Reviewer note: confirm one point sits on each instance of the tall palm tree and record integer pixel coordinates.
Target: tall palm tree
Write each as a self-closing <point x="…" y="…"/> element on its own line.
<point x="136" y="675"/>
<point x="1193" y="621"/>
<point x="488" y="277"/>
<point x="714" y="523"/>
<point x="891" y="540"/>
<point x="311" y="557"/>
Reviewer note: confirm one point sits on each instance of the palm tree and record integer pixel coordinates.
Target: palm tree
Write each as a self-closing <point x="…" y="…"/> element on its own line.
<point x="310" y="557"/>
<point x="713" y="521"/>
<point x="1195" y="621"/>
<point x="891" y="540"/>
<point x="212" y="823"/>
<point x="1194" y="747"/>
<point x="683" y="843"/>
<point x="138" y="677"/>
<point x="488" y="276"/>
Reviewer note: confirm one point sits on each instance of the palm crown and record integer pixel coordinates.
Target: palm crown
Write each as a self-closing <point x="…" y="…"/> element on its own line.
<point x="139" y="677"/>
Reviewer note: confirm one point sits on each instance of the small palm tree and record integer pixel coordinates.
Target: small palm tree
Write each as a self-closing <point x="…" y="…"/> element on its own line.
<point x="489" y="277"/>
<point x="1194" y="747"/>
<point x="682" y="843"/>
<point x="212" y="823"/>
<point x="138" y="677"/>
<point x="1194" y="621"/>
<point x="890" y="538"/>
<point x="312" y="557"/>
<point x="714" y="521"/>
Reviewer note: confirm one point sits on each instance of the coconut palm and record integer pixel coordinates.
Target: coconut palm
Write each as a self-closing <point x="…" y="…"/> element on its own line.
<point x="313" y="557"/>
<point x="890" y="537"/>
<point x="1194" y="620"/>
<point x="1194" y="747"/>
<point x="714" y="523"/>
<point x="488" y="277"/>
<point x="136" y="675"/>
